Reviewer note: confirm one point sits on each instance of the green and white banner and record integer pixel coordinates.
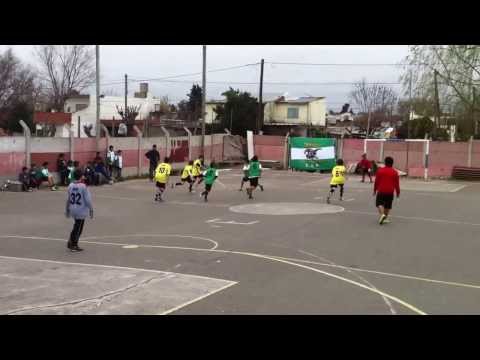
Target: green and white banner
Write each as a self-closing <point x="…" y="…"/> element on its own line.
<point x="312" y="153"/>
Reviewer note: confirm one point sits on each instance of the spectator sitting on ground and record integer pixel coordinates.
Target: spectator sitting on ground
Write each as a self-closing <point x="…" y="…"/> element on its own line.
<point x="24" y="178"/>
<point x="89" y="174"/>
<point x="32" y="173"/>
<point x="44" y="175"/>
<point x="101" y="170"/>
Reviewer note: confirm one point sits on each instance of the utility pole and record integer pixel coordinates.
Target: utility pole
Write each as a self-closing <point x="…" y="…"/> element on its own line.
<point x="475" y="121"/>
<point x="437" y="105"/>
<point x="410" y="107"/>
<point x="97" y="78"/>
<point x="204" y="90"/>
<point x="260" y="99"/>
<point x="126" y="94"/>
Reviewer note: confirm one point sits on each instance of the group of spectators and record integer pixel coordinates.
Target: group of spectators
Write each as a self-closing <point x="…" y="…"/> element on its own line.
<point x="96" y="172"/>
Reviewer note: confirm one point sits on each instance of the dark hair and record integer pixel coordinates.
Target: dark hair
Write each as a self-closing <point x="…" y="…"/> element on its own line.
<point x="61" y="155"/>
<point x="45" y="163"/>
<point x="98" y="152"/>
<point x="213" y="164"/>
<point x="340" y="162"/>
<point x="119" y="151"/>
<point x="33" y="165"/>
<point x="69" y="163"/>
<point x="154" y="146"/>
<point x="76" y="163"/>
<point x="24" y="168"/>
<point x="190" y="162"/>
<point x="110" y="147"/>
<point x="389" y="161"/>
<point x="200" y="157"/>
<point x="255" y="158"/>
<point x="166" y="160"/>
<point x="364" y="155"/>
<point x="77" y="174"/>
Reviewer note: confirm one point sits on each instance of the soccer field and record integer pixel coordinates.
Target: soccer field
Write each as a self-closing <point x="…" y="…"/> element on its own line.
<point x="284" y="252"/>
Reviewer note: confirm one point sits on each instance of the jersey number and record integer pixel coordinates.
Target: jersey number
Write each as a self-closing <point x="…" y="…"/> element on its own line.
<point x="75" y="199"/>
<point x="161" y="170"/>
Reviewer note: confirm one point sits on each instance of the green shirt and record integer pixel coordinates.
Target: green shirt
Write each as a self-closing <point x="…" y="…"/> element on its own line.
<point x="210" y="175"/>
<point x="254" y="169"/>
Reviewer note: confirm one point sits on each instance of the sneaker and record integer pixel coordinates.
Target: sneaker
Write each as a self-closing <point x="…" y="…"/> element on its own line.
<point x="382" y="219"/>
<point x="261" y="187"/>
<point x="75" y="248"/>
<point x="328" y="199"/>
<point x="386" y="221"/>
<point x="54" y="188"/>
<point x="69" y="245"/>
<point x="341" y="198"/>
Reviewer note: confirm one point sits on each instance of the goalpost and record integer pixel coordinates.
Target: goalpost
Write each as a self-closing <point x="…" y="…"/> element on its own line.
<point x="426" y="151"/>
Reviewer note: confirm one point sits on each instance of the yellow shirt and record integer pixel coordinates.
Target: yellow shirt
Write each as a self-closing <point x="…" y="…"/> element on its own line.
<point x="187" y="171"/>
<point x="163" y="172"/>
<point x="197" y="167"/>
<point x="338" y="175"/>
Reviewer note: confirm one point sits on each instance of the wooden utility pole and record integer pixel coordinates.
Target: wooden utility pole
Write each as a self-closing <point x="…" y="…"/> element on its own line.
<point x="204" y="91"/>
<point x="475" y="120"/>
<point x="437" y="105"/>
<point x="260" y="100"/>
<point x="97" y="78"/>
<point x="410" y="107"/>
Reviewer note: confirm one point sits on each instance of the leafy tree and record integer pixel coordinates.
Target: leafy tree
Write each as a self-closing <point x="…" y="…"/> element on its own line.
<point x="239" y="112"/>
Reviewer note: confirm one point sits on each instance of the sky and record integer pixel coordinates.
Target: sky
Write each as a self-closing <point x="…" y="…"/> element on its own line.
<point x="160" y="61"/>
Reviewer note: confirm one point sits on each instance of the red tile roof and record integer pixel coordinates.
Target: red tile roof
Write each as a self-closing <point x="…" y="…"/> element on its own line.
<point x="52" y="118"/>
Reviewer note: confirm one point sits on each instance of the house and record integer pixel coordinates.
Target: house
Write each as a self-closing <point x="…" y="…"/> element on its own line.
<point x="84" y="111"/>
<point x="52" y="123"/>
<point x="210" y="107"/>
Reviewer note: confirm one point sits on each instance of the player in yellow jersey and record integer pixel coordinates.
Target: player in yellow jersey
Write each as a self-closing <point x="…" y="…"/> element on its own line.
<point x="338" y="180"/>
<point x="186" y="176"/>
<point x="197" y="171"/>
<point x="162" y="173"/>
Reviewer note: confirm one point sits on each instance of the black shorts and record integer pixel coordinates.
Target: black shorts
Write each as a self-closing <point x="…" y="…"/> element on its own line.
<point x="384" y="200"/>
<point x="254" y="181"/>
<point x="198" y="176"/>
<point x="208" y="187"/>
<point x="245" y="179"/>
<point x="187" y="179"/>
<point x="334" y="186"/>
<point x="160" y="185"/>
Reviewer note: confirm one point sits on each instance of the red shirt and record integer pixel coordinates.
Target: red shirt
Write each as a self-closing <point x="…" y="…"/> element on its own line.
<point x="387" y="181"/>
<point x="365" y="164"/>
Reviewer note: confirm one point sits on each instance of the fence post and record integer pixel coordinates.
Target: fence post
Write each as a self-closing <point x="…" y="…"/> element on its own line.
<point x="71" y="139"/>
<point x="28" y="150"/>
<point x="364" y="146"/>
<point x="189" y="133"/>
<point x="285" y="151"/>
<point x="470" y="149"/>
<point x="380" y="155"/>
<point x="427" y="153"/>
<point x="139" y="144"/>
<point x="167" y="135"/>
<point x="107" y="134"/>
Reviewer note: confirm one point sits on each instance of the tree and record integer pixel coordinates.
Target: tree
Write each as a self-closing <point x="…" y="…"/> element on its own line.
<point x="345" y="108"/>
<point x="239" y="112"/>
<point x="194" y="103"/>
<point x="130" y="114"/>
<point x="18" y="92"/>
<point x="65" y="69"/>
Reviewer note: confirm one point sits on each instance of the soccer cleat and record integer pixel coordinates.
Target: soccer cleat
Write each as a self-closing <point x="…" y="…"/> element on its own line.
<point x="261" y="187"/>
<point x="75" y="248"/>
<point x="386" y="221"/>
<point x="382" y="219"/>
<point x="328" y="199"/>
<point x="69" y="245"/>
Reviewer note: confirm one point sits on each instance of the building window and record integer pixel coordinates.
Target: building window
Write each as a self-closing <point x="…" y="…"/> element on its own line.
<point x="292" y="113"/>
<point x="79" y="107"/>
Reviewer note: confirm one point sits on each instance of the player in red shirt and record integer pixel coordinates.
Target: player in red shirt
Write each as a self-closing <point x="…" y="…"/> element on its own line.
<point x="365" y="166"/>
<point x="387" y="182"/>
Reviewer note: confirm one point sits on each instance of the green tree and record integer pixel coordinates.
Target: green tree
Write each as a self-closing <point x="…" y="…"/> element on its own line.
<point x="239" y="112"/>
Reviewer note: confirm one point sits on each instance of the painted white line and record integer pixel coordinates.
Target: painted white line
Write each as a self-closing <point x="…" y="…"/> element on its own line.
<point x="313" y="182"/>
<point x="231" y="222"/>
<point x="222" y="184"/>
<point x="198" y="299"/>
<point x="318" y="198"/>
<point x="272" y="258"/>
<point x="449" y="283"/>
<point x="130" y="247"/>
<point x="458" y="188"/>
<point x="215" y="244"/>
<point x="414" y="218"/>
<point x="387" y="302"/>
<point x="349" y="200"/>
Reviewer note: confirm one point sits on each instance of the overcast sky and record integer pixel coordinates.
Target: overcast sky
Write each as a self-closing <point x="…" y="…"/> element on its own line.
<point x="150" y="62"/>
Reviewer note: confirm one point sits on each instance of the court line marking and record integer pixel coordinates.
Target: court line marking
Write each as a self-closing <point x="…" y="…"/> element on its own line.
<point x="220" y="221"/>
<point x="197" y="299"/>
<point x="410" y="277"/>
<point x="222" y="184"/>
<point x="458" y="188"/>
<point x="414" y="218"/>
<point x="387" y="302"/>
<point x="268" y="257"/>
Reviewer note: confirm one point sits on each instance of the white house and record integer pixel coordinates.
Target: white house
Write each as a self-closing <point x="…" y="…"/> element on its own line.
<point x="84" y="109"/>
<point x="304" y="111"/>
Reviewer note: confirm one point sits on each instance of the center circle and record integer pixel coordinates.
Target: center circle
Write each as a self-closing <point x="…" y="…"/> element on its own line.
<point x="285" y="208"/>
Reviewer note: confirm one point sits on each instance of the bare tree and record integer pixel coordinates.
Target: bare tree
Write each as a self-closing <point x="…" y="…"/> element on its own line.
<point x="130" y="114"/>
<point x="65" y="70"/>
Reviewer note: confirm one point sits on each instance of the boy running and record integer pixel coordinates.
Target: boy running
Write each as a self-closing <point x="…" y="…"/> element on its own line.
<point x="197" y="170"/>
<point x="245" y="175"/>
<point x="387" y="182"/>
<point x="338" y="180"/>
<point x="162" y="173"/>
<point x="254" y="172"/>
<point x="186" y="176"/>
<point x="210" y="175"/>
<point x="78" y="207"/>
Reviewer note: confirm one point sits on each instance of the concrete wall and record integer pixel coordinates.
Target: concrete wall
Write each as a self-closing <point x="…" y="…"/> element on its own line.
<point x="269" y="147"/>
<point x="12" y="151"/>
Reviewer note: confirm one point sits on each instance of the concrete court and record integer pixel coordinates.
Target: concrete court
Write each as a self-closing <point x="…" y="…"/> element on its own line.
<point x="233" y="256"/>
